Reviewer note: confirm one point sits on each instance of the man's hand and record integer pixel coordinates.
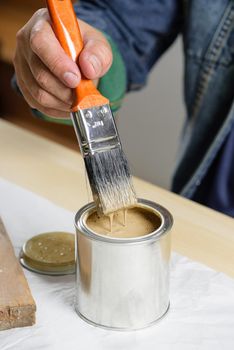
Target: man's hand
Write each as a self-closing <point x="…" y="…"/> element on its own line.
<point x="45" y="74"/>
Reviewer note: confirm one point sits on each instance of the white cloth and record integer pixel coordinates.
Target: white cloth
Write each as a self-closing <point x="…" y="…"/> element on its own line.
<point x="202" y="300"/>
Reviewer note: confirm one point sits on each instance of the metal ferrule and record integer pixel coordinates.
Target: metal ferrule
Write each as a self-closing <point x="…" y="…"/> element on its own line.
<point x="95" y="129"/>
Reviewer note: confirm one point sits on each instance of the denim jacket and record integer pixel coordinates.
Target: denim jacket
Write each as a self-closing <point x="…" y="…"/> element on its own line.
<point x="143" y="30"/>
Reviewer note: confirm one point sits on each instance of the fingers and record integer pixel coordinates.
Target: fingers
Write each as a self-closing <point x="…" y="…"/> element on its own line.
<point x="41" y="95"/>
<point x="55" y="113"/>
<point x="94" y="61"/>
<point x="34" y="104"/>
<point x="41" y="88"/>
<point x="45" y="45"/>
<point x="48" y="82"/>
<point x="44" y="72"/>
<point x="96" y="57"/>
<point x="38" y="98"/>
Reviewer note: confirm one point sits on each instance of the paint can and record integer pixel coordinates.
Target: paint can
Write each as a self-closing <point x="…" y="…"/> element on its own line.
<point x="123" y="283"/>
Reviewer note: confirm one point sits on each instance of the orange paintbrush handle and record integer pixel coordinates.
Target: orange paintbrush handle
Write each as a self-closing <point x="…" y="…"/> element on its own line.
<point x="66" y="28"/>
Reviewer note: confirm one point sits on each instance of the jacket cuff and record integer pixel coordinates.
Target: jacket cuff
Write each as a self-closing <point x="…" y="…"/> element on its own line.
<point x="112" y="85"/>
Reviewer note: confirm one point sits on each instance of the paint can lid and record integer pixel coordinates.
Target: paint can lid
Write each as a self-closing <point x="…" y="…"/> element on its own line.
<point x="50" y="253"/>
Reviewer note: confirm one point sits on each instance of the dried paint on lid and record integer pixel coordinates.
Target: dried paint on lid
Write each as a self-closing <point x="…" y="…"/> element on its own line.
<point x="51" y="253"/>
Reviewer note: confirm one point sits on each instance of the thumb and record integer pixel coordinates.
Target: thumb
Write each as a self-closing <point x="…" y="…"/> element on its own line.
<point x="96" y="56"/>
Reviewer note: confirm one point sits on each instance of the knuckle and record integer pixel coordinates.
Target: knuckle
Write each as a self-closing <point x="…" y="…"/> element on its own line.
<point x="35" y="39"/>
<point x="106" y="56"/>
<point x="55" y="64"/>
<point x="41" y="98"/>
<point x="41" y="12"/>
<point x="37" y="32"/>
<point x="20" y="35"/>
<point x="42" y="78"/>
<point x="26" y="96"/>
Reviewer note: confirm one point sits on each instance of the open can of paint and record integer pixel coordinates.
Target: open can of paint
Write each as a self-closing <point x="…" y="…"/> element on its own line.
<point x="123" y="283"/>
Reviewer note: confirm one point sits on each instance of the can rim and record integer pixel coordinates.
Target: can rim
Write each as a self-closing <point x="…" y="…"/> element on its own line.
<point x="164" y="214"/>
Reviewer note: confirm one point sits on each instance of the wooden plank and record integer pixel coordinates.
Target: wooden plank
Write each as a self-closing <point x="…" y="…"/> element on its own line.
<point x="17" y="307"/>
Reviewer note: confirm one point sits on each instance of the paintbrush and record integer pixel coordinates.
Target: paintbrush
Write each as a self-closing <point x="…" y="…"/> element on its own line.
<point x="106" y="164"/>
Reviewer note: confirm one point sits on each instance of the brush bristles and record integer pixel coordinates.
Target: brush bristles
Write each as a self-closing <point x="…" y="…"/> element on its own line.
<point x="110" y="180"/>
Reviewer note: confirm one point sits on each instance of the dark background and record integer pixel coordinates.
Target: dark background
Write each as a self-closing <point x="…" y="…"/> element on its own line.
<point x="13" y="15"/>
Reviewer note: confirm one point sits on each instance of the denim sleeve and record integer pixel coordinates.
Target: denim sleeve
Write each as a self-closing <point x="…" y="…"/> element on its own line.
<point x="142" y="30"/>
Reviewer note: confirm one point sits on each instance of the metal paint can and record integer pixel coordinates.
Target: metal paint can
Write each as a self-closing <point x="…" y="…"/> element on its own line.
<point x="123" y="283"/>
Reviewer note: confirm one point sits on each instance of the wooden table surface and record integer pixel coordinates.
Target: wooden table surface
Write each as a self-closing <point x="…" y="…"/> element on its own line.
<point x="57" y="173"/>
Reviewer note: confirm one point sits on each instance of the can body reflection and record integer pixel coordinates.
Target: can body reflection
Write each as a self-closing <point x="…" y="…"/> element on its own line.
<point x="122" y="284"/>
